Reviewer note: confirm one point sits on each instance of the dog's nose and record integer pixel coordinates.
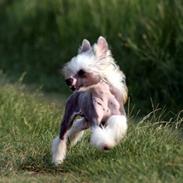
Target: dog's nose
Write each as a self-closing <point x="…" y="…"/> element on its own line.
<point x="69" y="81"/>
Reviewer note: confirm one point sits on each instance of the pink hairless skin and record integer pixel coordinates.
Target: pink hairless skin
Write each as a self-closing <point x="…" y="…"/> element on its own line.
<point x="96" y="104"/>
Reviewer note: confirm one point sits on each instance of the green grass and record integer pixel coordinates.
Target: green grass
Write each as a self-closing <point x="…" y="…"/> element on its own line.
<point x="151" y="152"/>
<point x="38" y="37"/>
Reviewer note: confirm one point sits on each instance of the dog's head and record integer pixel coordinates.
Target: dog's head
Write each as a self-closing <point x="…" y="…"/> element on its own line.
<point x="93" y="64"/>
<point x="83" y="70"/>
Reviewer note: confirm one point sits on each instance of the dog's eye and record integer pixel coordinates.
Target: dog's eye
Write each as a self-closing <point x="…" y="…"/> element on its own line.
<point x="81" y="73"/>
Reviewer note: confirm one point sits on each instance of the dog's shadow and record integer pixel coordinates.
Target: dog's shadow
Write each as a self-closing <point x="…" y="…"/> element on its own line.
<point x="79" y="158"/>
<point x="83" y="157"/>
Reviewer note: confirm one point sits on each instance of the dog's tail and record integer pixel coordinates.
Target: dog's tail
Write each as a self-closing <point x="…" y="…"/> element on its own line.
<point x="107" y="137"/>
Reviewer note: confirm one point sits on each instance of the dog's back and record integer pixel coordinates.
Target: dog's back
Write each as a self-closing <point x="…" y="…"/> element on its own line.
<point x="95" y="103"/>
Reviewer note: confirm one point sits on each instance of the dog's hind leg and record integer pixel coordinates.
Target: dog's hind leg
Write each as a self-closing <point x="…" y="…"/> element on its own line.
<point x="76" y="132"/>
<point x="117" y="127"/>
<point x="107" y="137"/>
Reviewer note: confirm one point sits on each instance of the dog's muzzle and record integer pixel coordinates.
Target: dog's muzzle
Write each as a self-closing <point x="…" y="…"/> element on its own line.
<point x="70" y="82"/>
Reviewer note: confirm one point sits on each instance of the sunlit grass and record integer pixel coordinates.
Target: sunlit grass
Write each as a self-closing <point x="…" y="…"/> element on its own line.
<point x="151" y="152"/>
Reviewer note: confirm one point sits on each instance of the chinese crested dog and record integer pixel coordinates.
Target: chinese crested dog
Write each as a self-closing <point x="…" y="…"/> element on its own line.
<point x="99" y="95"/>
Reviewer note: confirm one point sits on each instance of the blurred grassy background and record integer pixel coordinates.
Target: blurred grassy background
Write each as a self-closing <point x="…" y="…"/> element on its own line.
<point x="146" y="38"/>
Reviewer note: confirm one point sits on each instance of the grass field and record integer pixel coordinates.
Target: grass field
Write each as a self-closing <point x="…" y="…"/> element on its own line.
<point x="38" y="37"/>
<point x="151" y="152"/>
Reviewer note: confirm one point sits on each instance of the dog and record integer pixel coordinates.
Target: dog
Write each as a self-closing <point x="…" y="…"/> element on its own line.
<point x="99" y="94"/>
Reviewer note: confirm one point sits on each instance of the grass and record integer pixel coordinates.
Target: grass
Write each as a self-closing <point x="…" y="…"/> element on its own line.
<point x="151" y="152"/>
<point x="38" y="37"/>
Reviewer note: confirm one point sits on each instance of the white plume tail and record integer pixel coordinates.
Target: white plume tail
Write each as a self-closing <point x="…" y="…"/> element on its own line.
<point x="107" y="137"/>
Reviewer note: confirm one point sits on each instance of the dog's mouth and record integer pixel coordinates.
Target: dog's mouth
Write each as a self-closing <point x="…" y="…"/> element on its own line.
<point x="73" y="88"/>
<point x="72" y="85"/>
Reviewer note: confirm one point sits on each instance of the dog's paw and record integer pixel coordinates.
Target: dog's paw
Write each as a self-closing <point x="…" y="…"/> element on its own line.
<point x="58" y="150"/>
<point x="102" y="139"/>
<point x="57" y="162"/>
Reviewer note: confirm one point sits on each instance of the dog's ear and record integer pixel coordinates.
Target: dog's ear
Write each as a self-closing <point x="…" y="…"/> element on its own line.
<point x="101" y="47"/>
<point x="85" y="46"/>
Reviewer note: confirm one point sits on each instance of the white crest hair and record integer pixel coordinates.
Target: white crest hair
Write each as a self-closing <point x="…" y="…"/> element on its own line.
<point x="105" y="67"/>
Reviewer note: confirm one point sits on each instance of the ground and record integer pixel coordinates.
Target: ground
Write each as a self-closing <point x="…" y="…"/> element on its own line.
<point x="151" y="152"/>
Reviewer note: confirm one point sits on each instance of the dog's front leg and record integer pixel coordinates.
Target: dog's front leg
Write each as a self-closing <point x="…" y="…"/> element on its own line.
<point x="59" y="144"/>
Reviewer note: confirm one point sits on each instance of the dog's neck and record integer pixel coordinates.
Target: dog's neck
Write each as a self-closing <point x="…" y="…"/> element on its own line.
<point x="92" y="86"/>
